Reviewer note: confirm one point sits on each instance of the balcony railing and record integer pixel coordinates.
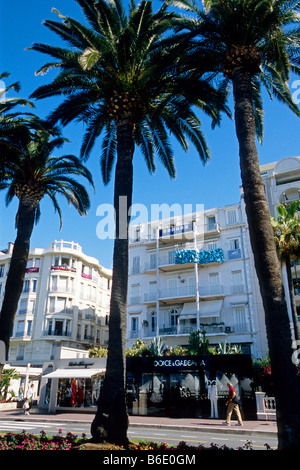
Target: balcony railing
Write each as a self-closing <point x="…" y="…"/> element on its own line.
<point x="211" y="290"/>
<point x="68" y="289"/>
<point x="190" y="291"/>
<point x="57" y="333"/>
<point x="182" y="291"/>
<point x="187" y="328"/>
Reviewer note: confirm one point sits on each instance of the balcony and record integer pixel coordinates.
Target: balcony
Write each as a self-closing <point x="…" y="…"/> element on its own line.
<point x="134" y="300"/>
<point x="216" y="329"/>
<point x="212" y="228"/>
<point x="57" y="333"/>
<point x="183" y="293"/>
<point x="211" y="291"/>
<point x="64" y="268"/>
<point x="64" y="289"/>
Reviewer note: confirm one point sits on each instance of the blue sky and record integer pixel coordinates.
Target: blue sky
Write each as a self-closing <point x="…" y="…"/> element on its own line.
<point x="213" y="185"/>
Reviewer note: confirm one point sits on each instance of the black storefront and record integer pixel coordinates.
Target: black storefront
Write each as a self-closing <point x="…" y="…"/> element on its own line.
<point x="177" y="386"/>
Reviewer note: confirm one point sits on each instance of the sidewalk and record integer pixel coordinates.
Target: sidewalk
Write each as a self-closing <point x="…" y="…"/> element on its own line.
<point x="267" y="428"/>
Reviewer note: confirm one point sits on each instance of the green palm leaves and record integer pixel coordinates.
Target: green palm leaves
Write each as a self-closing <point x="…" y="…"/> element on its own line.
<point x="33" y="173"/>
<point x="287" y="231"/>
<point x="262" y="37"/>
<point x="123" y="67"/>
<point x="287" y="240"/>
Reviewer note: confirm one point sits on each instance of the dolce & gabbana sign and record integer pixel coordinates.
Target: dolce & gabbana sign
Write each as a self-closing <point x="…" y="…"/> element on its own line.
<point x="178" y="363"/>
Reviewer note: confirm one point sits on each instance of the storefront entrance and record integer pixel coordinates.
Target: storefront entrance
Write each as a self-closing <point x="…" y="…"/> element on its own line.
<point x="179" y="386"/>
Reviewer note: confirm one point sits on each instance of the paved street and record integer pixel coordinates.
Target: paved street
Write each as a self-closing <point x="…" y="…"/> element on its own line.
<point x="159" y="429"/>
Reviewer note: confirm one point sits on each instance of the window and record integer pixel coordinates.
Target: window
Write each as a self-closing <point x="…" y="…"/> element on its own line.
<point x="58" y="328"/>
<point x="212" y="246"/>
<point x="98" y="337"/>
<point x="191" y="286"/>
<point x="50" y="323"/>
<point x="86" y="332"/>
<point x="60" y="305"/>
<point x="153" y="321"/>
<point x="1" y="270"/>
<point x="86" y="271"/>
<point x="23" y="307"/>
<point x="214" y="283"/>
<point x="172" y="288"/>
<point x="152" y="290"/>
<point x="29" y="327"/>
<point x="68" y="328"/>
<point x="237" y="282"/>
<point x="211" y="222"/>
<point x="26" y="286"/>
<point x="135" y="293"/>
<point x="234" y="244"/>
<point x="51" y="304"/>
<point x="65" y="261"/>
<point x="34" y="284"/>
<point x="62" y="283"/>
<point x="54" y="283"/>
<point x="135" y="265"/>
<point x="20" y="328"/>
<point x="134" y="325"/>
<point x="152" y="260"/>
<point x="30" y="308"/>
<point x="21" y="352"/>
<point x="240" y="318"/>
<point x="231" y="217"/>
<point x="174" y="317"/>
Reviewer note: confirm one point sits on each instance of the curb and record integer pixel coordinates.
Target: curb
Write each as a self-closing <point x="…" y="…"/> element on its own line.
<point x="219" y="430"/>
<point x="178" y="427"/>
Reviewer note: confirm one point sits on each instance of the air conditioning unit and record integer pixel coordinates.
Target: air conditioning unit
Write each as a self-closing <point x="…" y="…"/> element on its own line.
<point x="228" y="329"/>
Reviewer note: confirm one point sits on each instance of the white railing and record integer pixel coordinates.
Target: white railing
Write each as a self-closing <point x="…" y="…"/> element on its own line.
<point x="265" y="407"/>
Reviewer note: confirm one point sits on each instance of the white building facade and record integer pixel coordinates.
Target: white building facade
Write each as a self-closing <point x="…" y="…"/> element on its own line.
<point x="186" y="275"/>
<point x="282" y="186"/>
<point x="65" y="302"/>
<point x="192" y="274"/>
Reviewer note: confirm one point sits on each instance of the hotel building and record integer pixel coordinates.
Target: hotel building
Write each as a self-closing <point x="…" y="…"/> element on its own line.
<point x="65" y="302"/>
<point x="197" y="272"/>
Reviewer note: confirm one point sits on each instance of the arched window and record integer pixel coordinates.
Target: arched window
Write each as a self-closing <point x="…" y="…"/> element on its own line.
<point x="153" y="321"/>
<point x="174" y="317"/>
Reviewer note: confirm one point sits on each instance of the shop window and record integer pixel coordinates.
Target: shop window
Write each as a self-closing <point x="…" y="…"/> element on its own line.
<point x="78" y="393"/>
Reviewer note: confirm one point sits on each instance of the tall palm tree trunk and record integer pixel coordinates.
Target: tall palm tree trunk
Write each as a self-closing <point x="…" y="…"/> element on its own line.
<point x="111" y="420"/>
<point x="17" y="270"/>
<point x="292" y="298"/>
<point x="267" y="268"/>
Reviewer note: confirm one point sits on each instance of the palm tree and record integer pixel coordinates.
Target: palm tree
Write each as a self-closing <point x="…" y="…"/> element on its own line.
<point x="287" y="239"/>
<point x="13" y="125"/>
<point x="120" y="78"/>
<point x="5" y="379"/>
<point x="30" y="176"/>
<point x="254" y="43"/>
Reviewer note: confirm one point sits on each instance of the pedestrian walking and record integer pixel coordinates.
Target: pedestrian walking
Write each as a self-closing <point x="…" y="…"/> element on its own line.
<point x="29" y="399"/>
<point x="233" y="405"/>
